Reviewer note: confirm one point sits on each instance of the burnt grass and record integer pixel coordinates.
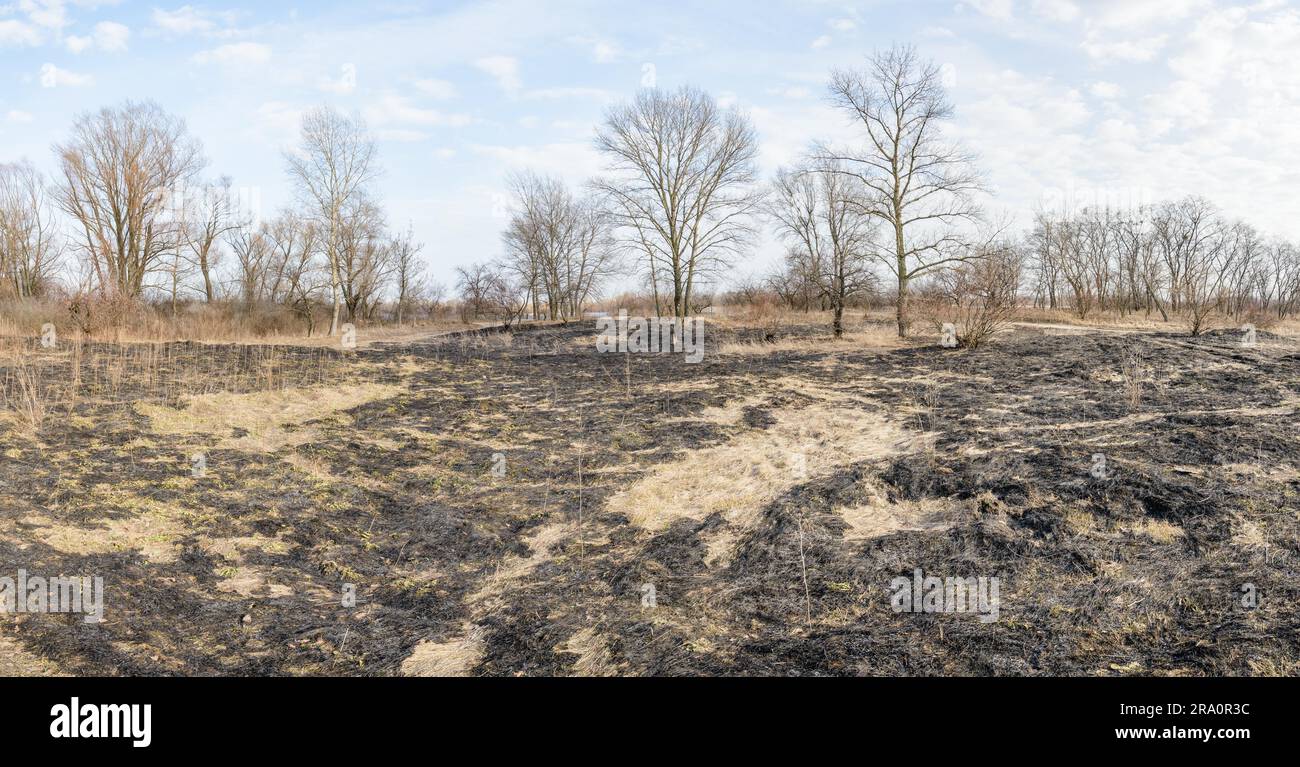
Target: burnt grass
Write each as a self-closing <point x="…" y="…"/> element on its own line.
<point x="1144" y="570"/>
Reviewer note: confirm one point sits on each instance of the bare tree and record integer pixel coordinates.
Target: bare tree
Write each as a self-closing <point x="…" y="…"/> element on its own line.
<point x="30" y="244"/>
<point x="819" y="212"/>
<point x="120" y="172"/>
<point x="407" y="269"/>
<point x="489" y="289"/>
<point x="681" y="185"/>
<point x="432" y="299"/>
<point x="981" y="294"/>
<point x="209" y="216"/>
<point x="921" y="185"/>
<point x="295" y="245"/>
<point x="332" y="167"/>
<point x="254" y="254"/>
<point x="557" y="245"/>
<point x="792" y="281"/>
<point x="365" y="255"/>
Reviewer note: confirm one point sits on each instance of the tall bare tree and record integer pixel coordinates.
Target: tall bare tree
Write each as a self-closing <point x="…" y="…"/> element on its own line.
<point x="210" y="214"/>
<point x="557" y="244"/>
<point x="922" y="185"/>
<point x="121" y="172"/>
<point x="30" y="243"/>
<point x="332" y="167"/>
<point x="681" y="181"/>
<point x="408" y="271"/>
<point x="819" y="212"/>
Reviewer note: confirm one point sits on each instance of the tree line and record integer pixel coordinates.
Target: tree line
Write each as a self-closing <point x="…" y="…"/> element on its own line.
<point x="132" y="214"/>
<point x="1181" y="258"/>
<point x="681" y="201"/>
<point x="895" y="215"/>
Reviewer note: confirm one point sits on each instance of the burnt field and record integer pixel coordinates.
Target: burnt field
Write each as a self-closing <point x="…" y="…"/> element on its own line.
<point x="521" y="505"/>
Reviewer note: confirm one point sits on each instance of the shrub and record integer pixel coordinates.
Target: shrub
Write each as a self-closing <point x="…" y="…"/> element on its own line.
<point x="979" y="296"/>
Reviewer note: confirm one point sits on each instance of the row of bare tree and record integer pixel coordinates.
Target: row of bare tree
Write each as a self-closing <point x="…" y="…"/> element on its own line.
<point x="1182" y="258"/>
<point x="675" y="204"/>
<point x="142" y="220"/>
<point x="30" y="246"/>
<point x="681" y="199"/>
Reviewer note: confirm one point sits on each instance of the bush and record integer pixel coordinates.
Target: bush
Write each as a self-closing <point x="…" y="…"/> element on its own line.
<point x="979" y="296"/>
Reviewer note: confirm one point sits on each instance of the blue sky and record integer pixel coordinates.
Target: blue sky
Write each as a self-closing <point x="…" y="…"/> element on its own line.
<point x="1065" y="102"/>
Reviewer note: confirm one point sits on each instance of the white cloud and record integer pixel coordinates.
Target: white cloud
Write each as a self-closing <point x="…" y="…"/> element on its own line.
<point x="107" y="36"/>
<point x="235" y="54"/>
<point x="18" y="33"/>
<point x="1118" y="131"/>
<point x="1140" y="14"/>
<point x="404" y="135"/>
<point x="573" y="161"/>
<point x="821" y="42"/>
<point x="505" y="69"/>
<point x="1055" y="10"/>
<point x="18" y="116"/>
<point x="1105" y="90"/>
<point x="398" y="116"/>
<point x="791" y="92"/>
<point x="604" y="52"/>
<point x="1141" y="49"/>
<point x="994" y="9"/>
<point x="276" y="123"/>
<point x="50" y="14"/>
<point x="438" y="89"/>
<point x="53" y="77"/>
<point x="557" y="94"/>
<point x="843" y="25"/>
<point x="185" y="20"/>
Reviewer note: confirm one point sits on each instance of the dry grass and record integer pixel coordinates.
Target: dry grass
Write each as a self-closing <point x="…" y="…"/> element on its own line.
<point x="1157" y="530"/>
<point x="514" y="568"/>
<point x="872" y="337"/>
<point x="881" y="517"/>
<point x="154" y="529"/>
<point x="594" y="657"/>
<point x="738" y="478"/>
<point x="454" y="657"/>
<point x="215" y="323"/>
<point x="266" y="417"/>
<point x="27" y="402"/>
<point x="15" y="661"/>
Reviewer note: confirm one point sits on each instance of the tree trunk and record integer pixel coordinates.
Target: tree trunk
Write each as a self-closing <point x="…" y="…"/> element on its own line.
<point x="334" y="276"/>
<point x="903" y="277"/>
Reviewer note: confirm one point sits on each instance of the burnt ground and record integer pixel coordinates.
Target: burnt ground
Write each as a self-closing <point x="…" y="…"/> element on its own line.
<point x="521" y="505"/>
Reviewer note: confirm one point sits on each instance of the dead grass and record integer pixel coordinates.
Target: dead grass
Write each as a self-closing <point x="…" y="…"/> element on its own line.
<point x="594" y="658"/>
<point x="454" y="657"/>
<point x="153" y="529"/>
<point x="738" y="478"/>
<point x="1157" y="530"/>
<point x="881" y="517"/>
<point x="264" y="416"/>
<point x="514" y="568"/>
<point x="873" y="337"/>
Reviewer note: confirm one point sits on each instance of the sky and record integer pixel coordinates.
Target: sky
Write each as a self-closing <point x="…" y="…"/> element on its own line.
<point x="1065" y="102"/>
